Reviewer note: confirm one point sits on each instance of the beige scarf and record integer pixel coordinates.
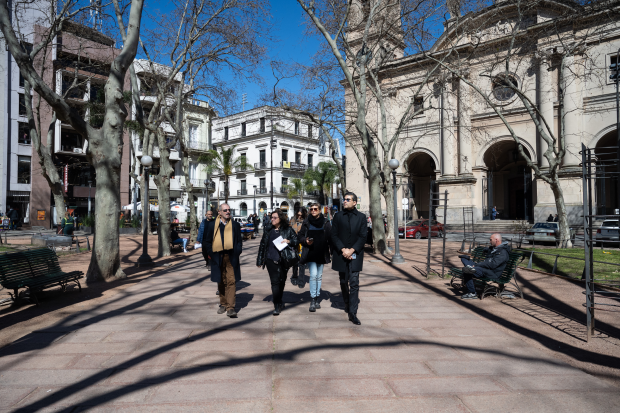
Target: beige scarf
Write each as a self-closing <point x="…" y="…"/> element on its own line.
<point x="228" y="236"/>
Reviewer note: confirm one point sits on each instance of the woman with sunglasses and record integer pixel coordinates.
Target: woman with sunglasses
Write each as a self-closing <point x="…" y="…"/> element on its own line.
<point x="315" y="236"/>
<point x="300" y="216"/>
<point x="269" y="255"/>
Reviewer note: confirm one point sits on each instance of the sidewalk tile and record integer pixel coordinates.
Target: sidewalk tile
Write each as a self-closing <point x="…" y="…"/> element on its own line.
<point x="546" y="402"/>
<point x="417" y="405"/>
<point x="330" y="370"/>
<point x="184" y="393"/>
<point x="290" y="388"/>
<point x="443" y="385"/>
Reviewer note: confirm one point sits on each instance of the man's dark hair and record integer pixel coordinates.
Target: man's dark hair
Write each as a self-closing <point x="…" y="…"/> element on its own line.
<point x="352" y="196"/>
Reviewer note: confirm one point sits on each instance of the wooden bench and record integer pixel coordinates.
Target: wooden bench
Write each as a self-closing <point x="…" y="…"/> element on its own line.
<point x="490" y="286"/>
<point x="35" y="270"/>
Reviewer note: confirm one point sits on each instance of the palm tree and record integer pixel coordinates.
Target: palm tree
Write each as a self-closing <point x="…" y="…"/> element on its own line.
<point x="298" y="187"/>
<point x="226" y="163"/>
<point x="324" y="175"/>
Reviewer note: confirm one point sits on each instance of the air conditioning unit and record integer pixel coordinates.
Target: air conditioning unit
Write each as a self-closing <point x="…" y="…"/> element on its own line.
<point x="77" y="150"/>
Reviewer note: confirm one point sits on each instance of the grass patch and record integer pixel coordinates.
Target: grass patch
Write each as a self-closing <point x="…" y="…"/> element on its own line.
<point x="4" y="248"/>
<point x="574" y="268"/>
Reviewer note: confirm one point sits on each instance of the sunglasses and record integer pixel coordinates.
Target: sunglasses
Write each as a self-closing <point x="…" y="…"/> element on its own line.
<point x="314" y="209"/>
<point x="272" y="218"/>
<point x="225" y="210"/>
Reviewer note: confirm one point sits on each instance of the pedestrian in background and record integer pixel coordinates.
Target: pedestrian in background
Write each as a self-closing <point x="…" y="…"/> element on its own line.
<point x="315" y="239"/>
<point x="223" y="243"/>
<point x="68" y="224"/>
<point x="300" y="216"/>
<point x="256" y="222"/>
<point x="266" y="222"/>
<point x="271" y="257"/>
<point x="348" y="237"/>
<point x="14" y="217"/>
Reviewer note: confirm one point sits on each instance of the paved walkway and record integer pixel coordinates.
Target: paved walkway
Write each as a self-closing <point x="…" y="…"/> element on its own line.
<point x="160" y="346"/>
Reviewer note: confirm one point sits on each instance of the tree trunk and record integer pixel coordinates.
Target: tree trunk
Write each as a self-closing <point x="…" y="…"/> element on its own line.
<point x="374" y="201"/>
<point x="388" y="195"/>
<point x="558" y="195"/>
<point x="193" y="228"/>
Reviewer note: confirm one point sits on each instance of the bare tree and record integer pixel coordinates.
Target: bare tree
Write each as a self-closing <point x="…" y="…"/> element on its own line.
<point x="105" y="143"/>
<point x="192" y="47"/>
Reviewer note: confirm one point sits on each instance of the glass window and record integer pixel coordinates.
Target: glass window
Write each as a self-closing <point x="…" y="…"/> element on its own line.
<point x="23" y="169"/>
<point x="263" y="156"/>
<point x="23" y="133"/>
<point x="309" y="131"/>
<point x="418" y="105"/>
<point x="22" y="105"/>
<point x="298" y="157"/>
<point x="610" y="224"/>
<point x="243" y="129"/>
<point x="296" y="128"/>
<point x="503" y="87"/>
<point x="285" y="155"/>
<point x="226" y="133"/>
<point x="262" y="125"/>
<point x="193" y="134"/>
<point x="310" y="160"/>
<point x="262" y="183"/>
<point x="243" y="185"/>
<point x="284" y="181"/>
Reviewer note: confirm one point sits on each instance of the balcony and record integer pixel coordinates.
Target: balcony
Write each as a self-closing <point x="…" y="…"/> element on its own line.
<point x="284" y="189"/>
<point x="261" y="165"/>
<point x="174" y="152"/>
<point x="293" y="166"/>
<point x="242" y="192"/>
<point x="242" y="169"/>
<point x="262" y="190"/>
<point x="198" y="146"/>
<point x="312" y="193"/>
<point x="224" y="193"/>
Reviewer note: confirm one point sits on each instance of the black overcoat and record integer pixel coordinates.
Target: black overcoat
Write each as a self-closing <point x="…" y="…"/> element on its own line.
<point x="216" y="257"/>
<point x="348" y="231"/>
<point x="305" y="248"/>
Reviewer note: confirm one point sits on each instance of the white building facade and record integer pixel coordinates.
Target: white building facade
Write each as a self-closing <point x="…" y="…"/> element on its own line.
<point x="296" y="145"/>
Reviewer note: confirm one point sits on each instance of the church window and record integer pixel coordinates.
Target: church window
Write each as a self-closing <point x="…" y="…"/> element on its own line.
<point x="503" y="87"/>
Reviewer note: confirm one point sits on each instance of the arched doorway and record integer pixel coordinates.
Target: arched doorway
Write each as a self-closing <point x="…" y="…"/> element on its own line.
<point x="421" y="168"/>
<point x="284" y="206"/>
<point x="606" y="183"/>
<point x="243" y="209"/>
<point x="508" y="183"/>
<point x="262" y="208"/>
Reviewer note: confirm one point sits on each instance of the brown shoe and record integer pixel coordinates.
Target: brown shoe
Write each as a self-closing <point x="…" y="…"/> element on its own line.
<point x="231" y="313"/>
<point x="221" y="310"/>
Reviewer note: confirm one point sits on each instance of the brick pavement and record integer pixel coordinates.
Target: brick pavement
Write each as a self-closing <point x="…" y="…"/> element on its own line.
<point x="160" y="346"/>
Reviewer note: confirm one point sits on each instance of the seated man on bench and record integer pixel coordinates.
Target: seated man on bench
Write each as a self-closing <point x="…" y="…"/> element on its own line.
<point x="492" y="267"/>
<point x="174" y="237"/>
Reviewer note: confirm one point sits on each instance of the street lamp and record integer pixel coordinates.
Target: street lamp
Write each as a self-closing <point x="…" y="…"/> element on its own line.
<point x="397" y="258"/>
<point x="145" y="259"/>
<point x="254" y="199"/>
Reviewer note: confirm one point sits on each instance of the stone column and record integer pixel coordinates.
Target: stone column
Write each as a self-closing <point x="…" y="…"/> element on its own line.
<point x="572" y="113"/>
<point x="545" y="103"/>
<point x="466" y="162"/>
<point x="448" y="149"/>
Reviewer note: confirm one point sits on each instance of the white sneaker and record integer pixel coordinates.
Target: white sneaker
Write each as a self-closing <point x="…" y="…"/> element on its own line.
<point x="184" y="250"/>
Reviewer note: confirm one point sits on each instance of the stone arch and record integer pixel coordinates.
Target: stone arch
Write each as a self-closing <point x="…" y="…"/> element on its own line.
<point x="405" y="158"/>
<point x="600" y="134"/>
<point x="492" y="142"/>
<point x="243" y="209"/>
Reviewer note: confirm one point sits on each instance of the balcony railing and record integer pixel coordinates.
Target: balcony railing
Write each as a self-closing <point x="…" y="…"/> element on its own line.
<point x="198" y="146"/>
<point x="224" y="193"/>
<point x="242" y="192"/>
<point x="284" y="189"/>
<point x="293" y="166"/>
<point x="263" y="190"/>
<point x="312" y="193"/>
<point x="242" y="169"/>
<point x="261" y="165"/>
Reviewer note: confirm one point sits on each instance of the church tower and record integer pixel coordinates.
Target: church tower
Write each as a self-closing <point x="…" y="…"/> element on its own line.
<point x="385" y="31"/>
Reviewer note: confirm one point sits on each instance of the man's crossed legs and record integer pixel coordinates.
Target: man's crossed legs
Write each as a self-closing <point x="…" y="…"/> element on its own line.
<point x="469" y="272"/>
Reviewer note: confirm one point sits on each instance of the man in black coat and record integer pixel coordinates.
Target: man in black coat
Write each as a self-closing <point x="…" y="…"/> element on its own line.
<point x="14" y="217"/>
<point x="497" y="256"/>
<point x="223" y="243"/>
<point x="348" y="237"/>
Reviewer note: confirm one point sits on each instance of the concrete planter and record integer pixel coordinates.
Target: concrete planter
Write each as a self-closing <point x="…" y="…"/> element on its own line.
<point x="55" y="240"/>
<point x="128" y="231"/>
<point x="88" y="230"/>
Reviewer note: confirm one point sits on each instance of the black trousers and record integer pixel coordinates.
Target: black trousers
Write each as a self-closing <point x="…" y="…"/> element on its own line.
<point x="277" y="275"/>
<point x="350" y="287"/>
<point x="205" y="256"/>
<point x="295" y="271"/>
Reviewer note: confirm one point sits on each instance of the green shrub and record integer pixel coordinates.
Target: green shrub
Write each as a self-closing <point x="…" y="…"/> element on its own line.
<point x="89" y="221"/>
<point x="136" y="222"/>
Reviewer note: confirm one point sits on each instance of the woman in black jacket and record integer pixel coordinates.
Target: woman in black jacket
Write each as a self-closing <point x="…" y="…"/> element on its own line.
<point x="315" y="236"/>
<point x="269" y="255"/>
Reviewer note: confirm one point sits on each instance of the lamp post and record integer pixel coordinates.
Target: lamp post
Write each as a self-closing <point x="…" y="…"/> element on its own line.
<point x="254" y="199"/>
<point x="145" y="259"/>
<point x="397" y="258"/>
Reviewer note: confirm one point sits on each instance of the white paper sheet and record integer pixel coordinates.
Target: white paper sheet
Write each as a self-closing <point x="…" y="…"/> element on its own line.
<point x="279" y="244"/>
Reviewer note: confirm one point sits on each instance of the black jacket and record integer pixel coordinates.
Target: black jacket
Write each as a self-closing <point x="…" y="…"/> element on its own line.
<point x="217" y="257"/>
<point x="13" y="215"/>
<point x="305" y="248"/>
<point x="348" y="231"/>
<point x="496" y="260"/>
<point x="286" y="233"/>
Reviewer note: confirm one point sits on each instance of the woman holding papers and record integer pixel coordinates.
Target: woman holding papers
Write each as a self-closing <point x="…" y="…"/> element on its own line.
<point x="276" y="236"/>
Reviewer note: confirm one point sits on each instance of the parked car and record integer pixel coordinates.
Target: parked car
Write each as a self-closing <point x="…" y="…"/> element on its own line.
<point x="546" y="232"/>
<point x="418" y="228"/>
<point x="609" y="231"/>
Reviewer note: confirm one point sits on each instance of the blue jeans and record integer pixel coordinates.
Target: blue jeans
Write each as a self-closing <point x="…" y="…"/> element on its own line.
<point x="181" y="241"/>
<point x="316" y="274"/>
<point x="468" y="278"/>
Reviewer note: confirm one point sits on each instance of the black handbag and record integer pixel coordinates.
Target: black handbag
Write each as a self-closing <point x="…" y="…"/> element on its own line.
<point x="288" y="257"/>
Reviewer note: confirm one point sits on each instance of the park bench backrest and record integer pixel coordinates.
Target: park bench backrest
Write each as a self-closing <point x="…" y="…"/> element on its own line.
<point x="510" y="269"/>
<point x="26" y="265"/>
